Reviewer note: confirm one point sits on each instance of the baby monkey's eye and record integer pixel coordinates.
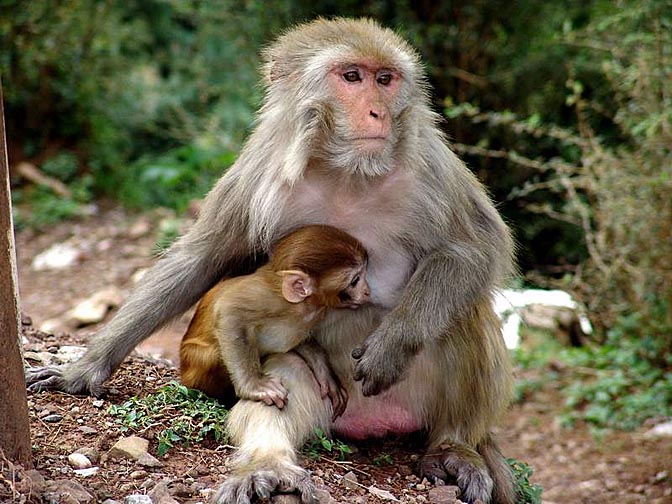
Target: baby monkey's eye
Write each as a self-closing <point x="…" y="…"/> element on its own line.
<point x="352" y="76"/>
<point x="355" y="281"/>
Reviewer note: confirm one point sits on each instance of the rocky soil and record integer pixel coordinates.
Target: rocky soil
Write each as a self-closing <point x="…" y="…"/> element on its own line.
<point x="74" y="438"/>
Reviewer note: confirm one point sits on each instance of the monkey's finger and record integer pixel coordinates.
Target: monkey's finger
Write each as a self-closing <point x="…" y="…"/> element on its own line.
<point x="359" y="373"/>
<point x="339" y="408"/>
<point x="372" y="387"/>
<point x="34" y="375"/>
<point x="279" y="401"/>
<point x="51" y="383"/>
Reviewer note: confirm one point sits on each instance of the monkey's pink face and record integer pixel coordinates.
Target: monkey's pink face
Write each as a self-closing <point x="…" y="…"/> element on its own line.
<point x="366" y="91"/>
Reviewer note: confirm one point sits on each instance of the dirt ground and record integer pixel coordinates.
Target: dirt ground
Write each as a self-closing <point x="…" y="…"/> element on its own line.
<point x="570" y="465"/>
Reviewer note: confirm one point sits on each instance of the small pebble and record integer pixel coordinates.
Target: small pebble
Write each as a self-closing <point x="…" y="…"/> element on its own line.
<point x="136" y="475"/>
<point x="53" y="418"/>
<point x="79" y="461"/>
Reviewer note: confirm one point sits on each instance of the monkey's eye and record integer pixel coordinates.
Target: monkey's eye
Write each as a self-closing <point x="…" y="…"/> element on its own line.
<point x="352" y="76"/>
<point x="355" y="281"/>
<point x="384" y="79"/>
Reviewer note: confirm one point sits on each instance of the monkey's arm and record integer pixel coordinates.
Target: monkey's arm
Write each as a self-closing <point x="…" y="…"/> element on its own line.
<point x="330" y="386"/>
<point x="240" y="353"/>
<point x="217" y="245"/>
<point x="445" y="284"/>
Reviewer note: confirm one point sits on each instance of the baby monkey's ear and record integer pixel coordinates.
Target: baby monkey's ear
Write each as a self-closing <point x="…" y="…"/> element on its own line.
<point x="296" y="285"/>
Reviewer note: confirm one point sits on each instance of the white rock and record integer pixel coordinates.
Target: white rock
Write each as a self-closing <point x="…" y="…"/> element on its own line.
<point x="85" y="473"/>
<point x="79" y="461"/>
<point x="138" y="499"/>
<point x="660" y="430"/>
<point x="58" y="256"/>
<point x="509" y="303"/>
<point x="95" y="308"/>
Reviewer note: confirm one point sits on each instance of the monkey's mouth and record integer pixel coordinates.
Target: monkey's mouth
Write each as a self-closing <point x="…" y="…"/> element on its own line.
<point x="377" y="138"/>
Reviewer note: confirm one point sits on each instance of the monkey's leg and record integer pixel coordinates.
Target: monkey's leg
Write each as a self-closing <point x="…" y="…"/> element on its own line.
<point x="268" y="437"/>
<point x="471" y="393"/>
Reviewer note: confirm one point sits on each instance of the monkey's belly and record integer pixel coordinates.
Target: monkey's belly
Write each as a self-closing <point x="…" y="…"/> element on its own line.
<point x="376" y="417"/>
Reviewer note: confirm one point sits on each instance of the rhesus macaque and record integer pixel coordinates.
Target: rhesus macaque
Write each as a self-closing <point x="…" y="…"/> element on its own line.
<point x="346" y="136"/>
<point x="273" y="310"/>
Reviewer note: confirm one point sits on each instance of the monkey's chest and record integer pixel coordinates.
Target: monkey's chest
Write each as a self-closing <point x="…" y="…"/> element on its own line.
<point x="378" y="218"/>
<point x="279" y="337"/>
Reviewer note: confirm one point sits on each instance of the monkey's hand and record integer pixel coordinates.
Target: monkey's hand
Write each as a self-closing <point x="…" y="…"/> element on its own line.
<point x="77" y="377"/>
<point x="331" y="387"/>
<point x="382" y="359"/>
<point x="45" y="378"/>
<point x="267" y="389"/>
<point x="326" y="379"/>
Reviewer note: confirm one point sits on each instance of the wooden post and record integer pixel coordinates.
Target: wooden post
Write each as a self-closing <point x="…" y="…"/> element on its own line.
<point x="14" y="424"/>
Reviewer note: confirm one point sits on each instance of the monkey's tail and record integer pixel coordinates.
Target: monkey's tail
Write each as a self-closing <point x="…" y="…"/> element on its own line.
<point x="504" y="491"/>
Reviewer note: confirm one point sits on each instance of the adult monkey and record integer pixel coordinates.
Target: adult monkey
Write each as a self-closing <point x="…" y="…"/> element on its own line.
<point x="346" y="137"/>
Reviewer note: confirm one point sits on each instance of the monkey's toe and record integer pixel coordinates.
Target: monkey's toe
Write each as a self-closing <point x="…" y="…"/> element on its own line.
<point x="266" y="484"/>
<point x="461" y="466"/>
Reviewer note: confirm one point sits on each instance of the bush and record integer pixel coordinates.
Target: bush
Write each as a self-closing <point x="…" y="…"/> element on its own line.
<point x="614" y="188"/>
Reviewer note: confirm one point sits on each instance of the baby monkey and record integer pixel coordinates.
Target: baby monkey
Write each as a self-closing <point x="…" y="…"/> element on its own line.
<point x="243" y="319"/>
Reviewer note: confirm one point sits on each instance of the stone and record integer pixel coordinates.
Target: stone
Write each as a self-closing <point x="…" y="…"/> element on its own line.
<point x="181" y="490"/>
<point x="161" y="495"/>
<point x="445" y="494"/>
<point x="70" y="491"/>
<point x="95" y="308"/>
<point x="660" y="430"/>
<point x="85" y="473"/>
<point x="350" y="480"/>
<point x="79" y="461"/>
<point x="53" y="418"/>
<point x="86" y="430"/>
<point x="58" y="256"/>
<point x="136" y="475"/>
<point x="138" y="499"/>
<point x="148" y="460"/>
<point x="32" y="483"/>
<point x="323" y="496"/>
<point x="132" y="447"/>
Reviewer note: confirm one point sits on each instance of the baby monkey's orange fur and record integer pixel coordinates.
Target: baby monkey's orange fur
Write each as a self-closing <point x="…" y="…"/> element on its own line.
<point x="243" y="319"/>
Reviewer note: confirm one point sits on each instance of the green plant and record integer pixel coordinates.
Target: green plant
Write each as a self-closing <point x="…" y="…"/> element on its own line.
<point x="320" y="443"/>
<point x="527" y="493"/>
<point x="172" y="179"/>
<point x="608" y="174"/>
<point x="620" y="386"/>
<point x="38" y="207"/>
<point x="384" y="459"/>
<point x="179" y="414"/>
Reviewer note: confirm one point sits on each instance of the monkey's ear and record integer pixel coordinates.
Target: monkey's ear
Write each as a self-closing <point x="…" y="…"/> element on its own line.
<point x="296" y="285"/>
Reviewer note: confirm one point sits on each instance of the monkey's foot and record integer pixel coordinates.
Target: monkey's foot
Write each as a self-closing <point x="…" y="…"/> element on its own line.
<point x="263" y="484"/>
<point x="44" y="378"/>
<point x="458" y="464"/>
<point x="53" y="378"/>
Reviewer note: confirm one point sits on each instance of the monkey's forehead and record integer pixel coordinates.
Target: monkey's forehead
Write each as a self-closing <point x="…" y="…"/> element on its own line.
<point x="325" y="41"/>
